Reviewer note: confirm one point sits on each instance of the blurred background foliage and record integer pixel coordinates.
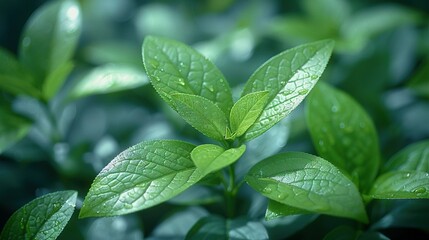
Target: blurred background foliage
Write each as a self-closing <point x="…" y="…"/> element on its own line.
<point x="381" y="59"/>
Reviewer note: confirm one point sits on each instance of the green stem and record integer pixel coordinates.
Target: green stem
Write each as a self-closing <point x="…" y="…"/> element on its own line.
<point x="230" y="193"/>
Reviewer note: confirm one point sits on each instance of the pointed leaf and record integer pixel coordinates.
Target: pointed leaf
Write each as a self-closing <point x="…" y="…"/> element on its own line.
<point x="213" y="227"/>
<point x="50" y="37"/>
<point x="202" y="114"/>
<point x="288" y="77"/>
<point x="12" y="128"/>
<point x="246" y="110"/>
<point x="210" y="158"/>
<point x="276" y="210"/>
<point x="43" y="218"/>
<point x="343" y="133"/>
<point x="108" y="79"/>
<point x="401" y="185"/>
<point x="55" y="79"/>
<point x="414" y="157"/>
<point x="308" y="182"/>
<point x="140" y="177"/>
<point x="174" y="67"/>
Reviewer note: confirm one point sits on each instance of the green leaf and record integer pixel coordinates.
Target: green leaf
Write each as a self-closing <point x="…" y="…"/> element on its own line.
<point x="276" y="210"/>
<point x="109" y="78"/>
<point x="202" y="114"/>
<point x="140" y="177"/>
<point x="343" y="133"/>
<point x="420" y="80"/>
<point x="308" y="182"/>
<point x="174" y="67"/>
<point x="288" y="77"/>
<point x="13" y="77"/>
<point x="12" y="128"/>
<point x="43" y="218"/>
<point x="245" y="112"/>
<point x="55" y="79"/>
<point x="210" y="158"/>
<point x="401" y="185"/>
<point x="50" y="37"/>
<point x="213" y="227"/>
<point x="414" y="157"/>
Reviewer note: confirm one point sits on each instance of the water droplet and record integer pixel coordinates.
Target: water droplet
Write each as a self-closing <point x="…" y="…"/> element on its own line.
<point x="314" y="77"/>
<point x="342" y="125"/>
<point x="161" y="69"/>
<point x="182" y="81"/>
<point x="282" y="196"/>
<point x="267" y="190"/>
<point x="419" y="190"/>
<point x="334" y="108"/>
<point x="303" y="91"/>
<point x="98" y="212"/>
<point x="407" y="175"/>
<point x="154" y="63"/>
<point x="282" y="83"/>
<point x="128" y="206"/>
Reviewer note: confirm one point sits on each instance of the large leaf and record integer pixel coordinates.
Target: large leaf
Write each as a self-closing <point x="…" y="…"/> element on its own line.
<point x="55" y="79"/>
<point x="343" y="133"/>
<point x="414" y="157"/>
<point x="12" y="128"/>
<point x="307" y="182"/>
<point x="213" y="227"/>
<point x="50" y="37"/>
<point x="288" y="77"/>
<point x="210" y="158"/>
<point x="174" y="67"/>
<point x="43" y="218"/>
<point x="142" y="176"/>
<point x="245" y="112"/>
<point x="401" y="185"/>
<point x="109" y="78"/>
<point x="202" y="114"/>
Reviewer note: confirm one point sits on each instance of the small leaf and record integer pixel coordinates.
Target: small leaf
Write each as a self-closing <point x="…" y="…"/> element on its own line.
<point x="210" y="158"/>
<point x="213" y="227"/>
<point x="55" y="79"/>
<point x="288" y="77"/>
<point x="12" y="128"/>
<point x="401" y="185"/>
<point x="50" y="37"/>
<point x="276" y="210"/>
<point x="246" y="110"/>
<point x="140" y="177"/>
<point x="109" y="78"/>
<point x="174" y="67"/>
<point x="202" y="114"/>
<point x="43" y="218"/>
<point x="307" y="182"/>
<point x="343" y="133"/>
<point x="414" y="157"/>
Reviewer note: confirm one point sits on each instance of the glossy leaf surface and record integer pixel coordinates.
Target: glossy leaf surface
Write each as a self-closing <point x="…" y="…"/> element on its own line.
<point x="213" y="227"/>
<point x="414" y="157"/>
<point x="174" y="67"/>
<point x="202" y="114"/>
<point x="55" y="79"/>
<point x="43" y="218"/>
<point x="142" y="176"/>
<point x="343" y="133"/>
<point x="210" y="158"/>
<point x="401" y="185"/>
<point x="308" y="182"/>
<point x="109" y="78"/>
<point x="50" y="37"/>
<point x="245" y="112"/>
<point x="288" y="77"/>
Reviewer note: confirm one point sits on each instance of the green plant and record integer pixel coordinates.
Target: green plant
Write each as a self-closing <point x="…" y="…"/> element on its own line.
<point x="348" y="184"/>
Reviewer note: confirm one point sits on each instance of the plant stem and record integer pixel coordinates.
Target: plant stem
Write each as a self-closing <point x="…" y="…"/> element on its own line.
<point x="230" y="193"/>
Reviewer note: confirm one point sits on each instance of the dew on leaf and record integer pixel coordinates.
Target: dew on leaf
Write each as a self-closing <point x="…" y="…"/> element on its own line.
<point x="303" y="91"/>
<point x="128" y="206"/>
<point x="282" y="196"/>
<point x="419" y="190"/>
<point x="314" y="77"/>
<point x="267" y="190"/>
<point x="181" y="81"/>
<point x="334" y="108"/>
